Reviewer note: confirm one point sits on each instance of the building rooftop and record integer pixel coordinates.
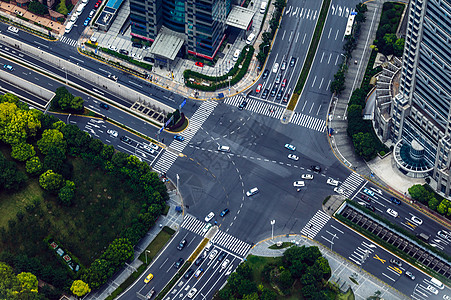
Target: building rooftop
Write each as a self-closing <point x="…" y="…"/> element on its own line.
<point x="166" y="45"/>
<point x="115" y="4"/>
<point x="240" y="17"/>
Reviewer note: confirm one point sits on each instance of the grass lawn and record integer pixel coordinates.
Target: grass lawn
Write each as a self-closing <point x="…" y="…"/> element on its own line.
<point x="257" y="263"/>
<point x="349" y="295"/>
<point x="156" y="245"/>
<point x="284" y="245"/>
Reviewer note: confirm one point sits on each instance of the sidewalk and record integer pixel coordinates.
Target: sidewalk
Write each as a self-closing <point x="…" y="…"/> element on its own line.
<point x="172" y="220"/>
<point x="342" y="269"/>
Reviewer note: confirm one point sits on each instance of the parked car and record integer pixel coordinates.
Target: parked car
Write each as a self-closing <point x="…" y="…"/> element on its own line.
<point x="224" y="212"/>
<point x="290" y="147"/>
<point x="283" y="66"/>
<point x="278" y="78"/>
<point x="182" y="244"/>
<point x="123" y="51"/>
<point x="259" y="88"/>
<point x="279" y="94"/>
<point x="286" y="97"/>
<point x="199" y="64"/>
<point x="299" y="183"/>
<point x="265" y="93"/>
<point x="273" y="91"/>
<point x="137" y="45"/>
<point x="284" y="82"/>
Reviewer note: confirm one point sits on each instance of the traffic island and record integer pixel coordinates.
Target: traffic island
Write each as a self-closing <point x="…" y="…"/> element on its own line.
<point x="332" y="203"/>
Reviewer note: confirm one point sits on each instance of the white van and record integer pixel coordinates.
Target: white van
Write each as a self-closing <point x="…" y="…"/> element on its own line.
<point x="250" y="38"/>
<point x="80" y="8"/>
<point x="69" y="26"/>
<point x="236" y="54"/>
<point x="437" y="283"/>
<point x="208" y="246"/>
<point x="263" y="7"/>
<point x="224" y="148"/>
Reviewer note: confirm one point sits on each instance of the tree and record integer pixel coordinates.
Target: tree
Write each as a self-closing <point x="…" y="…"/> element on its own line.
<point x="268" y="294"/>
<point x="79" y="288"/>
<point x="11" y="178"/>
<point x="67" y="193"/>
<point x="118" y="252"/>
<point x="50" y="181"/>
<point x="33" y="166"/>
<point x="38" y="8"/>
<point x="285" y="280"/>
<point x="77" y="104"/>
<point x="28" y="281"/>
<point x="8" y="281"/>
<point x="22" y="151"/>
<point x="61" y="8"/>
<point x="363" y="145"/>
<point x="253" y="296"/>
<point x="419" y="193"/>
<point x="444" y="206"/>
<point x="433" y="203"/>
<point x="322" y="264"/>
<point x="244" y="270"/>
<point x="98" y="273"/>
<point x="51" y="138"/>
<point x="54" y="160"/>
<point x="246" y="287"/>
<point x="16" y="125"/>
<point x="398" y="47"/>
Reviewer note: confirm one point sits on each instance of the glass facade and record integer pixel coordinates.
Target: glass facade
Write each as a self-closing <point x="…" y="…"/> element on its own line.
<point x="174" y="15"/>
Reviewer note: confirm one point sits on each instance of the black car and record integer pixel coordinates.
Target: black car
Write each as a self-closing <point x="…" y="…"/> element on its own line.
<point x="278" y="78"/>
<point x="182" y="244"/>
<point x="370" y="207"/>
<point x="279" y="94"/>
<point x="104" y="106"/>
<point x="396" y="262"/>
<point x="273" y="91"/>
<point x="126" y="139"/>
<point x="242" y="105"/>
<point x="265" y="74"/>
<point x="137" y="45"/>
<point x="292" y="62"/>
<point x="224" y="212"/>
<point x="395" y="200"/>
<point x="316" y="169"/>
<point x="199" y="261"/>
<point x="148" y="59"/>
<point x="123" y="51"/>
<point x="222" y="256"/>
<point x="265" y="93"/>
<point x="178" y="263"/>
<point x="366" y="198"/>
<point x="188" y="273"/>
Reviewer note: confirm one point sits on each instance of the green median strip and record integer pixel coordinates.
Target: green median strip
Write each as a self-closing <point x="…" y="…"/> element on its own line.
<point x="310" y="55"/>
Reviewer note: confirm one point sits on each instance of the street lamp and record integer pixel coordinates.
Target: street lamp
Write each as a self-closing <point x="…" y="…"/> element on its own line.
<point x="146" y="255"/>
<point x="230" y="78"/>
<point x="272" y="228"/>
<point x="65" y="71"/>
<point x="177" y="185"/>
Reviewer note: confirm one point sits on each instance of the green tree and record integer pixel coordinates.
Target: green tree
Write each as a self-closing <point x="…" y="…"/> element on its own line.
<point x="38" y="8"/>
<point x="11" y="178"/>
<point x="51" y="138"/>
<point x="16" y="125"/>
<point x="119" y="251"/>
<point x="8" y="281"/>
<point x="54" y="160"/>
<point x="79" y="288"/>
<point x="98" y="273"/>
<point x="363" y="145"/>
<point x="246" y="287"/>
<point x="50" y="181"/>
<point x="28" y="281"/>
<point x="77" y="104"/>
<point x="268" y="294"/>
<point x="61" y="8"/>
<point x="419" y="193"/>
<point x="398" y="47"/>
<point x="433" y="203"/>
<point x="33" y="166"/>
<point x="22" y="151"/>
<point x="253" y="296"/>
<point x="322" y="264"/>
<point x="244" y="270"/>
<point x="285" y="280"/>
<point x="443" y="207"/>
<point x="67" y="193"/>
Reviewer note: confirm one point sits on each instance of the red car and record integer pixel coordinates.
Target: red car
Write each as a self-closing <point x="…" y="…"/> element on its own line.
<point x="259" y="88"/>
<point x="284" y="82"/>
<point x="199" y="64"/>
<point x="97" y="5"/>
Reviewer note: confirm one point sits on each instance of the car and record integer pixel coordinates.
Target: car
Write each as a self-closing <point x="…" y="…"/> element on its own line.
<point x="284" y="82"/>
<point x="112" y="77"/>
<point x="206" y="227"/>
<point x="199" y="64"/>
<point x="446" y="297"/>
<point x="224" y="149"/>
<point x="290" y="147"/>
<point x="149" y="59"/>
<point x="259" y="88"/>
<point x="88" y="19"/>
<point x="278" y="78"/>
<point x="179" y="138"/>
<point x="222" y="256"/>
<point x="444" y="235"/>
<point x="283" y="66"/>
<point x="210" y="216"/>
<point x="74" y="18"/>
<point x="432" y="289"/>
<point x="191" y="293"/>
<point x="146" y="148"/>
<point x="368" y="192"/>
<point x="265" y="74"/>
<point x="265" y="93"/>
<point x="273" y="91"/>
<point x="213" y="254"/>
<point x="133" y="55"/>
<point x="178" y="263"/>
<point x="395" y="201"/>
<point x="279" y="94"/>
<point x="396" y="262"/>
<point x="252" y="192"/>
<point x="91" y="13"/>
<point x="97" y="5"/>
<point x="299" y="183"/>
<point x="153" y="146"/>
<point x="339" y="191"/>
<point x="148" y="278"/>
<point x="416" y="220"/>
<point x="292" y="61"/>
<point x="224" y="212"/>
<point x="126" y="139"/>
<point x="370" y="207"/>
<point x="199" y="261"/>
<point x="182" y="244"/>
<point x="8" y="68"/>
<point x="150" y="294"/>
<point x="112" y="48"/>
<point x="188" y="273"/>
<point x="366" y="198"/>
<point x="392" y="212"/>
<point x="104" y="106"/>
<point x="275" y="68"/>
<point x="242" y="105"/>
<point x="225" y="264"/>
<point x="13" y="29"/>
<point x="137" y="45"/>
<point x="316" y="169"/>
<point x="286" y="97"/>
<point x="112" y="132"/>
<point x="307" y="176"/>
<point x="409" y="274"/>
<point x="123" y="51"/>
<point x="332" y="181"/>
<point x="293" y="157"/>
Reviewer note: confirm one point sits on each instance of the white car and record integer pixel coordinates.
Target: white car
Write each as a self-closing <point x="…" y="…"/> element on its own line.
<point x="192" y="293"/>
<point x="112" y="47"/>
<point x="432" y="289"/>
<point x="299" y="183"/>
<point x="293" y="157"/>
<point x="213" y="254"/>
<point x="13" y="29"/>
<point x="368" y="192"/>
<point x="252" y="192"/>
<point x="153" y="146"/>
<point x="275" y="68"/>
<point x="416" y="220"/>
<point x="338" y="190"/>
<point x="91" y="13"/>
<point x="307" y="176"/>
<point x="446" y="297"/>
<point x="210" y="216"/>
<point x="225" y="264"/>
<point x="112" y="132"/>
<point x="332" y="182"/>
<point x="392" y="212"/>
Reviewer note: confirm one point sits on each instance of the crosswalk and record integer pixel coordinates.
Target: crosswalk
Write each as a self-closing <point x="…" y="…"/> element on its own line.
<point x="297" y="12"/>
<point x="165" y="162"/>
<point x="361" y="253"/>
<point x="193" y="224"/>
<point x="315" y="224"/>
<point x="351" y="183"/>
<point x="231" y="243"/>
<point x="276" y="111"/>
<point x="68" y="41"/>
